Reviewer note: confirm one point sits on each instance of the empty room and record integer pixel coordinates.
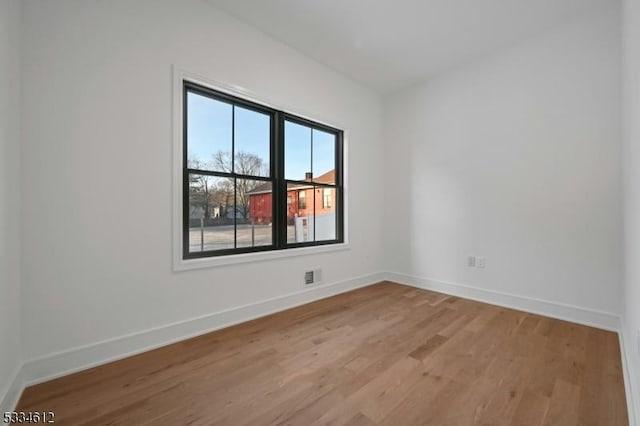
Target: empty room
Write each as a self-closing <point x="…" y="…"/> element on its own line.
<point x="306" y="212"/>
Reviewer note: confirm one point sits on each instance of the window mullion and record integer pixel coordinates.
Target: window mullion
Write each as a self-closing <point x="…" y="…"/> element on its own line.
<point x="235" y="179"/>
<point x="280" y="199"/>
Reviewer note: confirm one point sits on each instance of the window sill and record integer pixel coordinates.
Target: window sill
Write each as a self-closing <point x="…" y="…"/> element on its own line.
<point x="235" y="259"/>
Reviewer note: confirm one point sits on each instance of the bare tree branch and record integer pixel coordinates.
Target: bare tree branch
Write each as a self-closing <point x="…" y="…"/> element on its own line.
<point x="209" y="191"/>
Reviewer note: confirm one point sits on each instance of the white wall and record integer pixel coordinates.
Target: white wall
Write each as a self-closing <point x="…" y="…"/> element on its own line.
<point x="10" y="341"/>
<point x="516" y="158"/>
<point x="97" y="141"/>
<point x="631" y="51"/>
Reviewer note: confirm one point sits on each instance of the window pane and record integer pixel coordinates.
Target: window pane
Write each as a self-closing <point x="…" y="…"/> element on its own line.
<point x="208" y="133"/>
<point x="210" y="202"/>
<point x="252" y="139"/>
<point x="299" y="206"/>
<point x="311" y="213"/>
<point x="325" y="218"/>
<point x="297" y="151"/>
<point x="255" y="206"/>
<point x="324" y="157"/>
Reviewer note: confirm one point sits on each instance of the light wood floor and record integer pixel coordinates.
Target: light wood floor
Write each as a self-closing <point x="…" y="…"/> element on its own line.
<point x="386" y="354"/>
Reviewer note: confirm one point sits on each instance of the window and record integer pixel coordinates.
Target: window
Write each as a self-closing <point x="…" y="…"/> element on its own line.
<point x="302" y="199"/>
<point x="244" y="164"/>
<point x="326" y="198"/>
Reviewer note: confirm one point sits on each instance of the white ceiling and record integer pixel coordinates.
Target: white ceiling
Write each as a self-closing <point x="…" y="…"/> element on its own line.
<point x="391" y="44"/>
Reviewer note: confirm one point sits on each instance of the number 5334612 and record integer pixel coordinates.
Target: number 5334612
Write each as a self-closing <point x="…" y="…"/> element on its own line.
<point x="25" y="417"/>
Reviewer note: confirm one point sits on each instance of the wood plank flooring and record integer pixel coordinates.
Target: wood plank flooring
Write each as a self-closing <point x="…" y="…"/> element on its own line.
<point x="382" y="355"/>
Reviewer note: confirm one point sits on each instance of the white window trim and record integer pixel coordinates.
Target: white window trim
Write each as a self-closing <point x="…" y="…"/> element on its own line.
<point x="180" y="264"/>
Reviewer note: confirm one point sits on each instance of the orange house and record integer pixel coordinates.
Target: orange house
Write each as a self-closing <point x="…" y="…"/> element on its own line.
<point x="301" y="199"/>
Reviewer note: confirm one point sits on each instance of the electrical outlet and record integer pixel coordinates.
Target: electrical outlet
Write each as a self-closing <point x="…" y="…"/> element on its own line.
<point x="480" y="262"/>
<point x="471" y="261"/>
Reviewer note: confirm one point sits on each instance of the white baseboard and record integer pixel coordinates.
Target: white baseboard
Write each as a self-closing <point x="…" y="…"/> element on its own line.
<point x="593" y="318"/>
<point x="70" y="361"/>
<point x="11" y="394"/>
<point x="631" y="388"/>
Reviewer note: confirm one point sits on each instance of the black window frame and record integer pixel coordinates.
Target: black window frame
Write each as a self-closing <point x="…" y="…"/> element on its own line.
<point x="276" y="175"/>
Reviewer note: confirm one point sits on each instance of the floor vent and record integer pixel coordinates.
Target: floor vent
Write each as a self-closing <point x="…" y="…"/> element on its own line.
<point x="312" y="277"/>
